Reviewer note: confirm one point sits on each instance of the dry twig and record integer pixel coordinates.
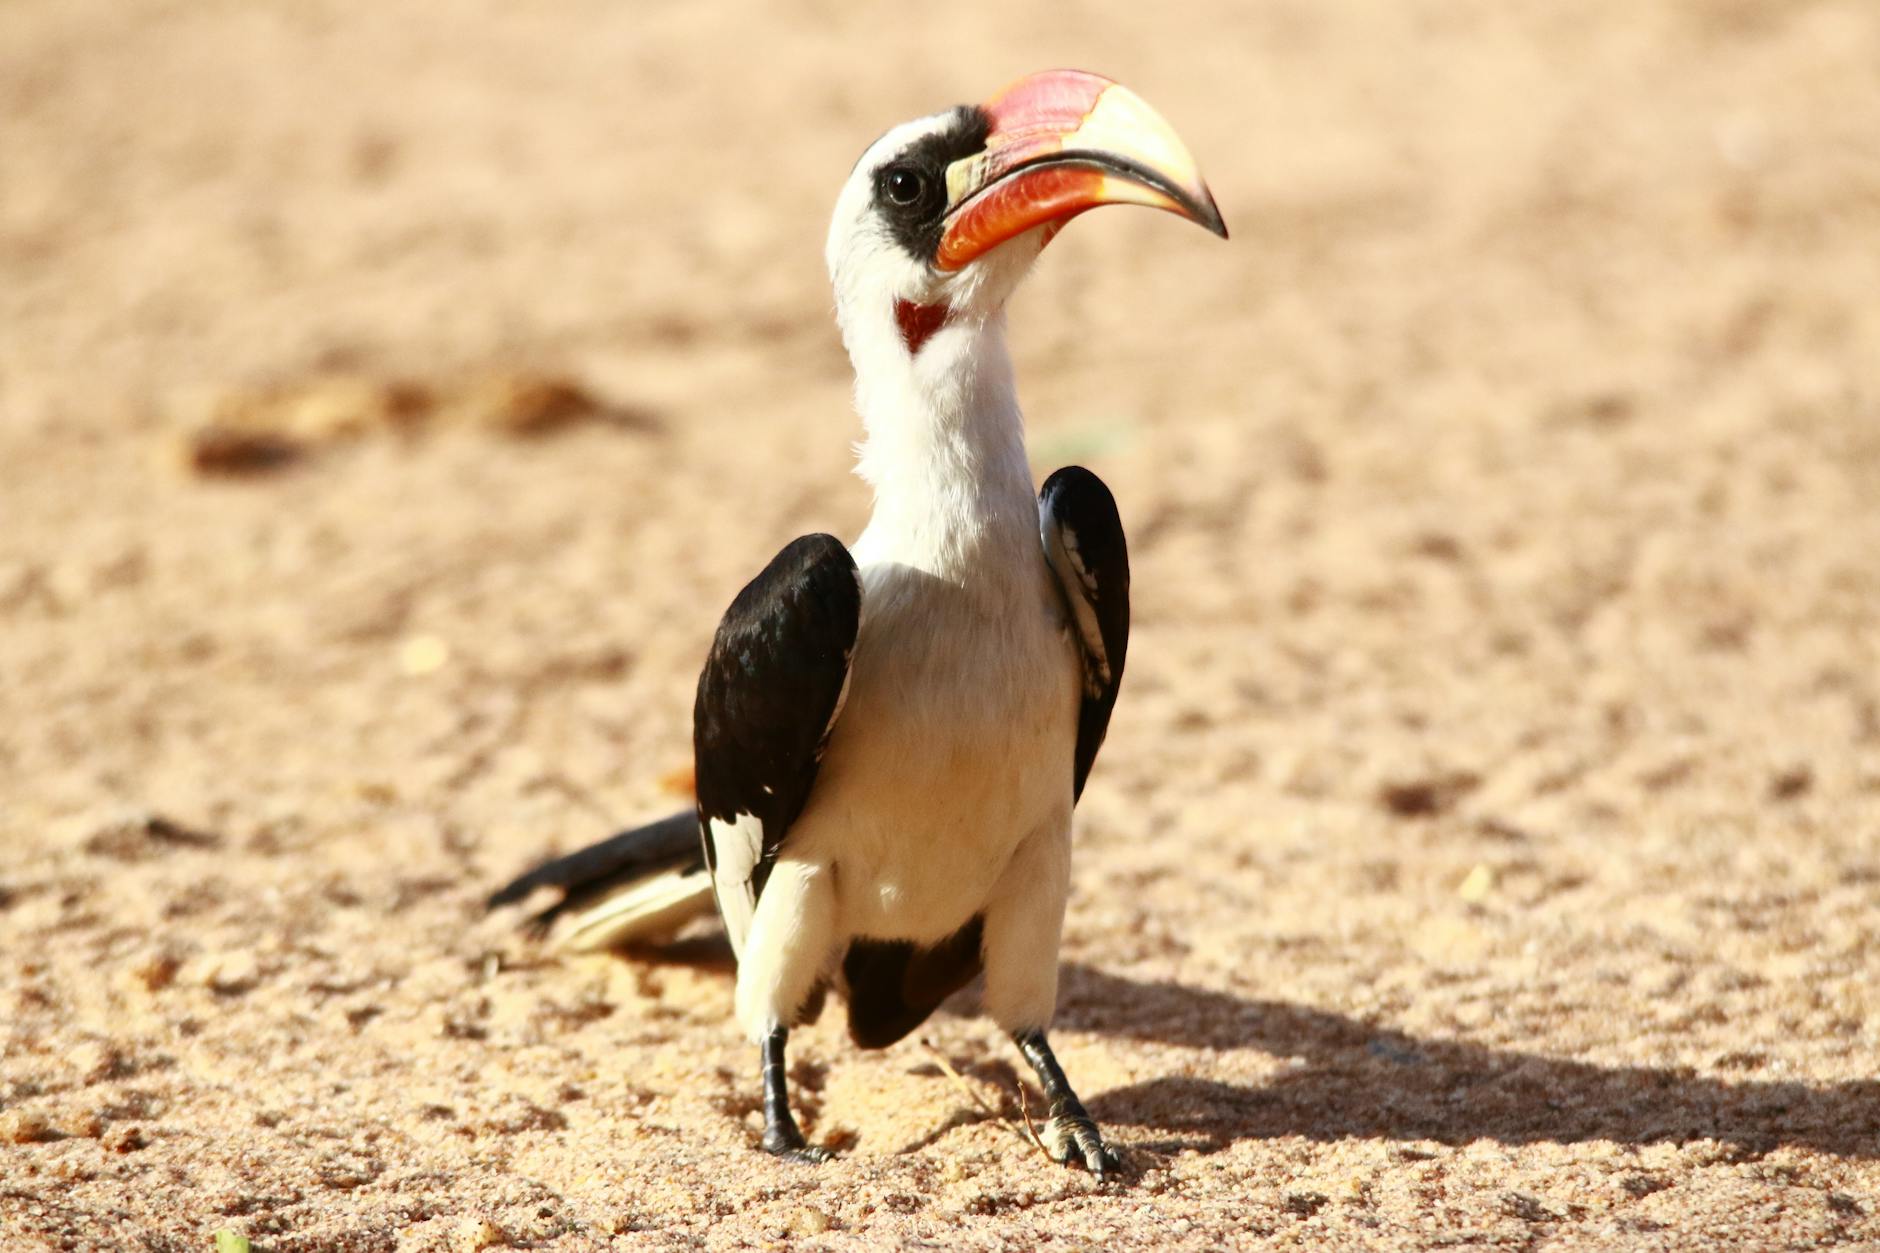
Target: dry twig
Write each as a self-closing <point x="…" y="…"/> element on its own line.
<point x="959" y="1081"/>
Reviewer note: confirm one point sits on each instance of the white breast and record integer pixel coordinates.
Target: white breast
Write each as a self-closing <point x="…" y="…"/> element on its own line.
<point x="955" y="744"/>
<point x="958" y="737"/>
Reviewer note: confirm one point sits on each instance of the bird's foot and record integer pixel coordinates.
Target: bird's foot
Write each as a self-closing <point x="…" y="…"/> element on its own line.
<point x="794" y="1148"/>
<point x="1071" y="1136"/>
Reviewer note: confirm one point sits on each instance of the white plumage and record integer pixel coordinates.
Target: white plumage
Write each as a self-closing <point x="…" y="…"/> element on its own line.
<point x="954" y="750"/>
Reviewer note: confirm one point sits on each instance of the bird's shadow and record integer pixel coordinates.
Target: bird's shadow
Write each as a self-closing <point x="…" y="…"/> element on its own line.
<point x="1349" y="1079"/>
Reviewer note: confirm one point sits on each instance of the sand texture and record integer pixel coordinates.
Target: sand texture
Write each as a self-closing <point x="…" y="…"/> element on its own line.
<point x="1487" y="846"/>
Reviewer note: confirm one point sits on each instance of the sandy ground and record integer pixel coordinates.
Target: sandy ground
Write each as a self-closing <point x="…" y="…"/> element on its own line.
<point x="1487" y="848"/>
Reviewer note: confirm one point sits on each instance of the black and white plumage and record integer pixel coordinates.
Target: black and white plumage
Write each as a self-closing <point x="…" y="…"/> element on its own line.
<point x="640" y="882"/>
<point x="768" y="697"/>
<point x="1083" y="541"/>
<point x="890" y="738"/>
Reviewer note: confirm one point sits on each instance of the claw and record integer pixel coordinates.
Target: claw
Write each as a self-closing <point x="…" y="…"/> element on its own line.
<point x="807" y="1154"/>
<point x="1073" y="1139"/>
<point x="790" y="1146"/>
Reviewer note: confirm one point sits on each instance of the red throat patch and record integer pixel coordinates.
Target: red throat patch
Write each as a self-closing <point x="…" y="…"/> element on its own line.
<point x="918" y="323"/>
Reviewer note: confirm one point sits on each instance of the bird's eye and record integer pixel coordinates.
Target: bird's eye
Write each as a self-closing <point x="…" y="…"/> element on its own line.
<point x="904" y="186"/>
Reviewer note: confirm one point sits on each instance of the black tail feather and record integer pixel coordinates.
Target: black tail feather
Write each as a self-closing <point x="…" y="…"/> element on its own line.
<point x="587" y="874"/>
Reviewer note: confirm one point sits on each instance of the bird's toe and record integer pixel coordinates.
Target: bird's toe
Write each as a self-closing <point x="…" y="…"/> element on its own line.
<point x="808" y="1154"/>
<point x="1074" y="1140"/>
<point x="787" y="1144"/>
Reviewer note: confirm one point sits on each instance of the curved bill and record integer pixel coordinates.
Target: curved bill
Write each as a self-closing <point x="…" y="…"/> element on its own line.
<point x="1061" y="142"/>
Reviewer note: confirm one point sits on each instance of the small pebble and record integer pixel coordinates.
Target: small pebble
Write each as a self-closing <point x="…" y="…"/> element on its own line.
<point x="98" y="1061"/>
<point x="84" y="1126"/>
<point x="1477" y="884"/>
<point x="123" y="1138"/>
<point x="20" y="1126"/>
<point x="423" y="654"/>
<point x="229" y="973"/>
<point x="156" y="971"/>
<point x="479" y="1233"/>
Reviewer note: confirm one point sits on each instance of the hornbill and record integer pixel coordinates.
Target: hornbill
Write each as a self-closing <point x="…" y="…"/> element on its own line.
<point x="889" y="739"/>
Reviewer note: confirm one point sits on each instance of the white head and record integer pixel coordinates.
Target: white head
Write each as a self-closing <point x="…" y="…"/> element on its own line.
<point x="942" y="217"/>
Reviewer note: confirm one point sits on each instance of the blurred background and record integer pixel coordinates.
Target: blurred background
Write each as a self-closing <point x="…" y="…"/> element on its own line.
<point x="392" y="397"/>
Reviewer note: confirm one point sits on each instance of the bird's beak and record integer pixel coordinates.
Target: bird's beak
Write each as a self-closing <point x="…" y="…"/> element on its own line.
<point x="1061" y="142"/>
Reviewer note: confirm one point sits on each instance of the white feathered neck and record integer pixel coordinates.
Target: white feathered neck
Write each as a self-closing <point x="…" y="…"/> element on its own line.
<point x="945" y="452"/>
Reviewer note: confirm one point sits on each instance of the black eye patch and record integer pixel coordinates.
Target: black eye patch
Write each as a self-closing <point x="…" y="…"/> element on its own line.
<point x="911" y="187"/>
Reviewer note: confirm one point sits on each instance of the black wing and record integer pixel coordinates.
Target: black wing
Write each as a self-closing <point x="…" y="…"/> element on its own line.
<point x="767" y="700"/>
<point x="1083" y="541"/>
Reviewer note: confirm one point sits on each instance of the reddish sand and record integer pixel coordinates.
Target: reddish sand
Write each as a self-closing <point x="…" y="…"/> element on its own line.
<point x="1487" y="848"/>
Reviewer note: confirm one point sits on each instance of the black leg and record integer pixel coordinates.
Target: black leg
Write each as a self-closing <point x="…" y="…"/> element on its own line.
<point x="1070" y="1134"/>
<point x="781" y="1136"/>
